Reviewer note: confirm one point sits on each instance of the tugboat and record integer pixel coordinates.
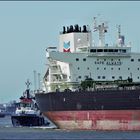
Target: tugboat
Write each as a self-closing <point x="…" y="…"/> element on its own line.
<point x="27" y="112"/>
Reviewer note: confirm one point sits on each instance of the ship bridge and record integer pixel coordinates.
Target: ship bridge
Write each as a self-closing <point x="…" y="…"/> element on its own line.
<point x="77" y="59"/>
<point x="110" y="51"/>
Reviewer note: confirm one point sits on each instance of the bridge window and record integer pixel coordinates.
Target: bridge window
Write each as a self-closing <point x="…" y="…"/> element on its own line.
<point x="93" y="50"/>
<point x="110" y="50"/>
<point x="123" y="51"/>
<point x="100" y="50"/>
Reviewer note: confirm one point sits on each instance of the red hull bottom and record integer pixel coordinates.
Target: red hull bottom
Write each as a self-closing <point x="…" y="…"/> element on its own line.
<point x="96" y="120"/>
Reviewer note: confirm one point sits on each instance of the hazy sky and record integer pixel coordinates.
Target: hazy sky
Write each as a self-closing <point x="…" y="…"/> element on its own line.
<point x="27" y="28"/>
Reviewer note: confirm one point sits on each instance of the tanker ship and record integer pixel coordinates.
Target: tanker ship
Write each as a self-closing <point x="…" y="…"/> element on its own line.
<point x="89" y="86"/>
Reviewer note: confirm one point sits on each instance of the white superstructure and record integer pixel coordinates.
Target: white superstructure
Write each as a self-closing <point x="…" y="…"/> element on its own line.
<point x="77" y="59"/>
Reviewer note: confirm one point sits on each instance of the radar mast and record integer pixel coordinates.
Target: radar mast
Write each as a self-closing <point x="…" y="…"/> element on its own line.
<point x="102" y="28"/>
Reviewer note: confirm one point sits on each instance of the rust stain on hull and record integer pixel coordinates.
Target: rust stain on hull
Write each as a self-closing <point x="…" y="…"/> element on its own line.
<point x="96" y="120"/>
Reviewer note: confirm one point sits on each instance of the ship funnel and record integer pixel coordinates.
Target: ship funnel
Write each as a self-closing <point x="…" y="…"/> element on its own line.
<point x="76" y="28"/>
<point x="64" y="30"/>
<point x="84" y="28"/>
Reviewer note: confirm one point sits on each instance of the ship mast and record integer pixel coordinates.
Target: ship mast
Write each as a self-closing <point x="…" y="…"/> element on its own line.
<point x="102" y="28"/>
<point x="38" y="81"/>
<point x="35" y="81"/>
<point x="121" y="38"/>
<point x="119" y="31"/>
<point x="28" y="83"/>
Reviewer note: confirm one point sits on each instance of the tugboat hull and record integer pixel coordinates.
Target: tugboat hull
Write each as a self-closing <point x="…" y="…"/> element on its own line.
<point x="27" y="120"/>
<point x="2" y="115"/>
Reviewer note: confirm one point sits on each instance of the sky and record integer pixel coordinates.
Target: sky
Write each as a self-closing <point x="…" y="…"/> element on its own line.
<point x="28" y="28"/>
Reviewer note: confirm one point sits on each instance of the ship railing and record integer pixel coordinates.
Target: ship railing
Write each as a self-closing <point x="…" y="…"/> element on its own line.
<point x="55" y="81"/>
<point x="111" y="89"/>
<point x="82" y="49"/>
<point x="56" y="71"/>
<point x="117" y="87"/>
<point x="64" y="81"/>
<point x="53" y="64"/>
<point x="39" y="91"/>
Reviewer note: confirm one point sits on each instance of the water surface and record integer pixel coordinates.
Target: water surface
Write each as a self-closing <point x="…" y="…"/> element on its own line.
<point x="7" y="131"/>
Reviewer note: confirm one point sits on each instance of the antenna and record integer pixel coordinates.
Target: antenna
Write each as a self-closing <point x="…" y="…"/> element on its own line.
<point x="119" y="31"/>
<point x="38" y="81"/>
<point x="95" y="24"/>
<point x="28" y="83"/>
<point x="34" y="80"/>
<point x="121" y="38"/>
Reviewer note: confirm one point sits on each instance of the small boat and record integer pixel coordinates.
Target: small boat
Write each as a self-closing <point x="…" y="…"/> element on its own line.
<point x="27" y="112"/>
<point x="2" y="114"/>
